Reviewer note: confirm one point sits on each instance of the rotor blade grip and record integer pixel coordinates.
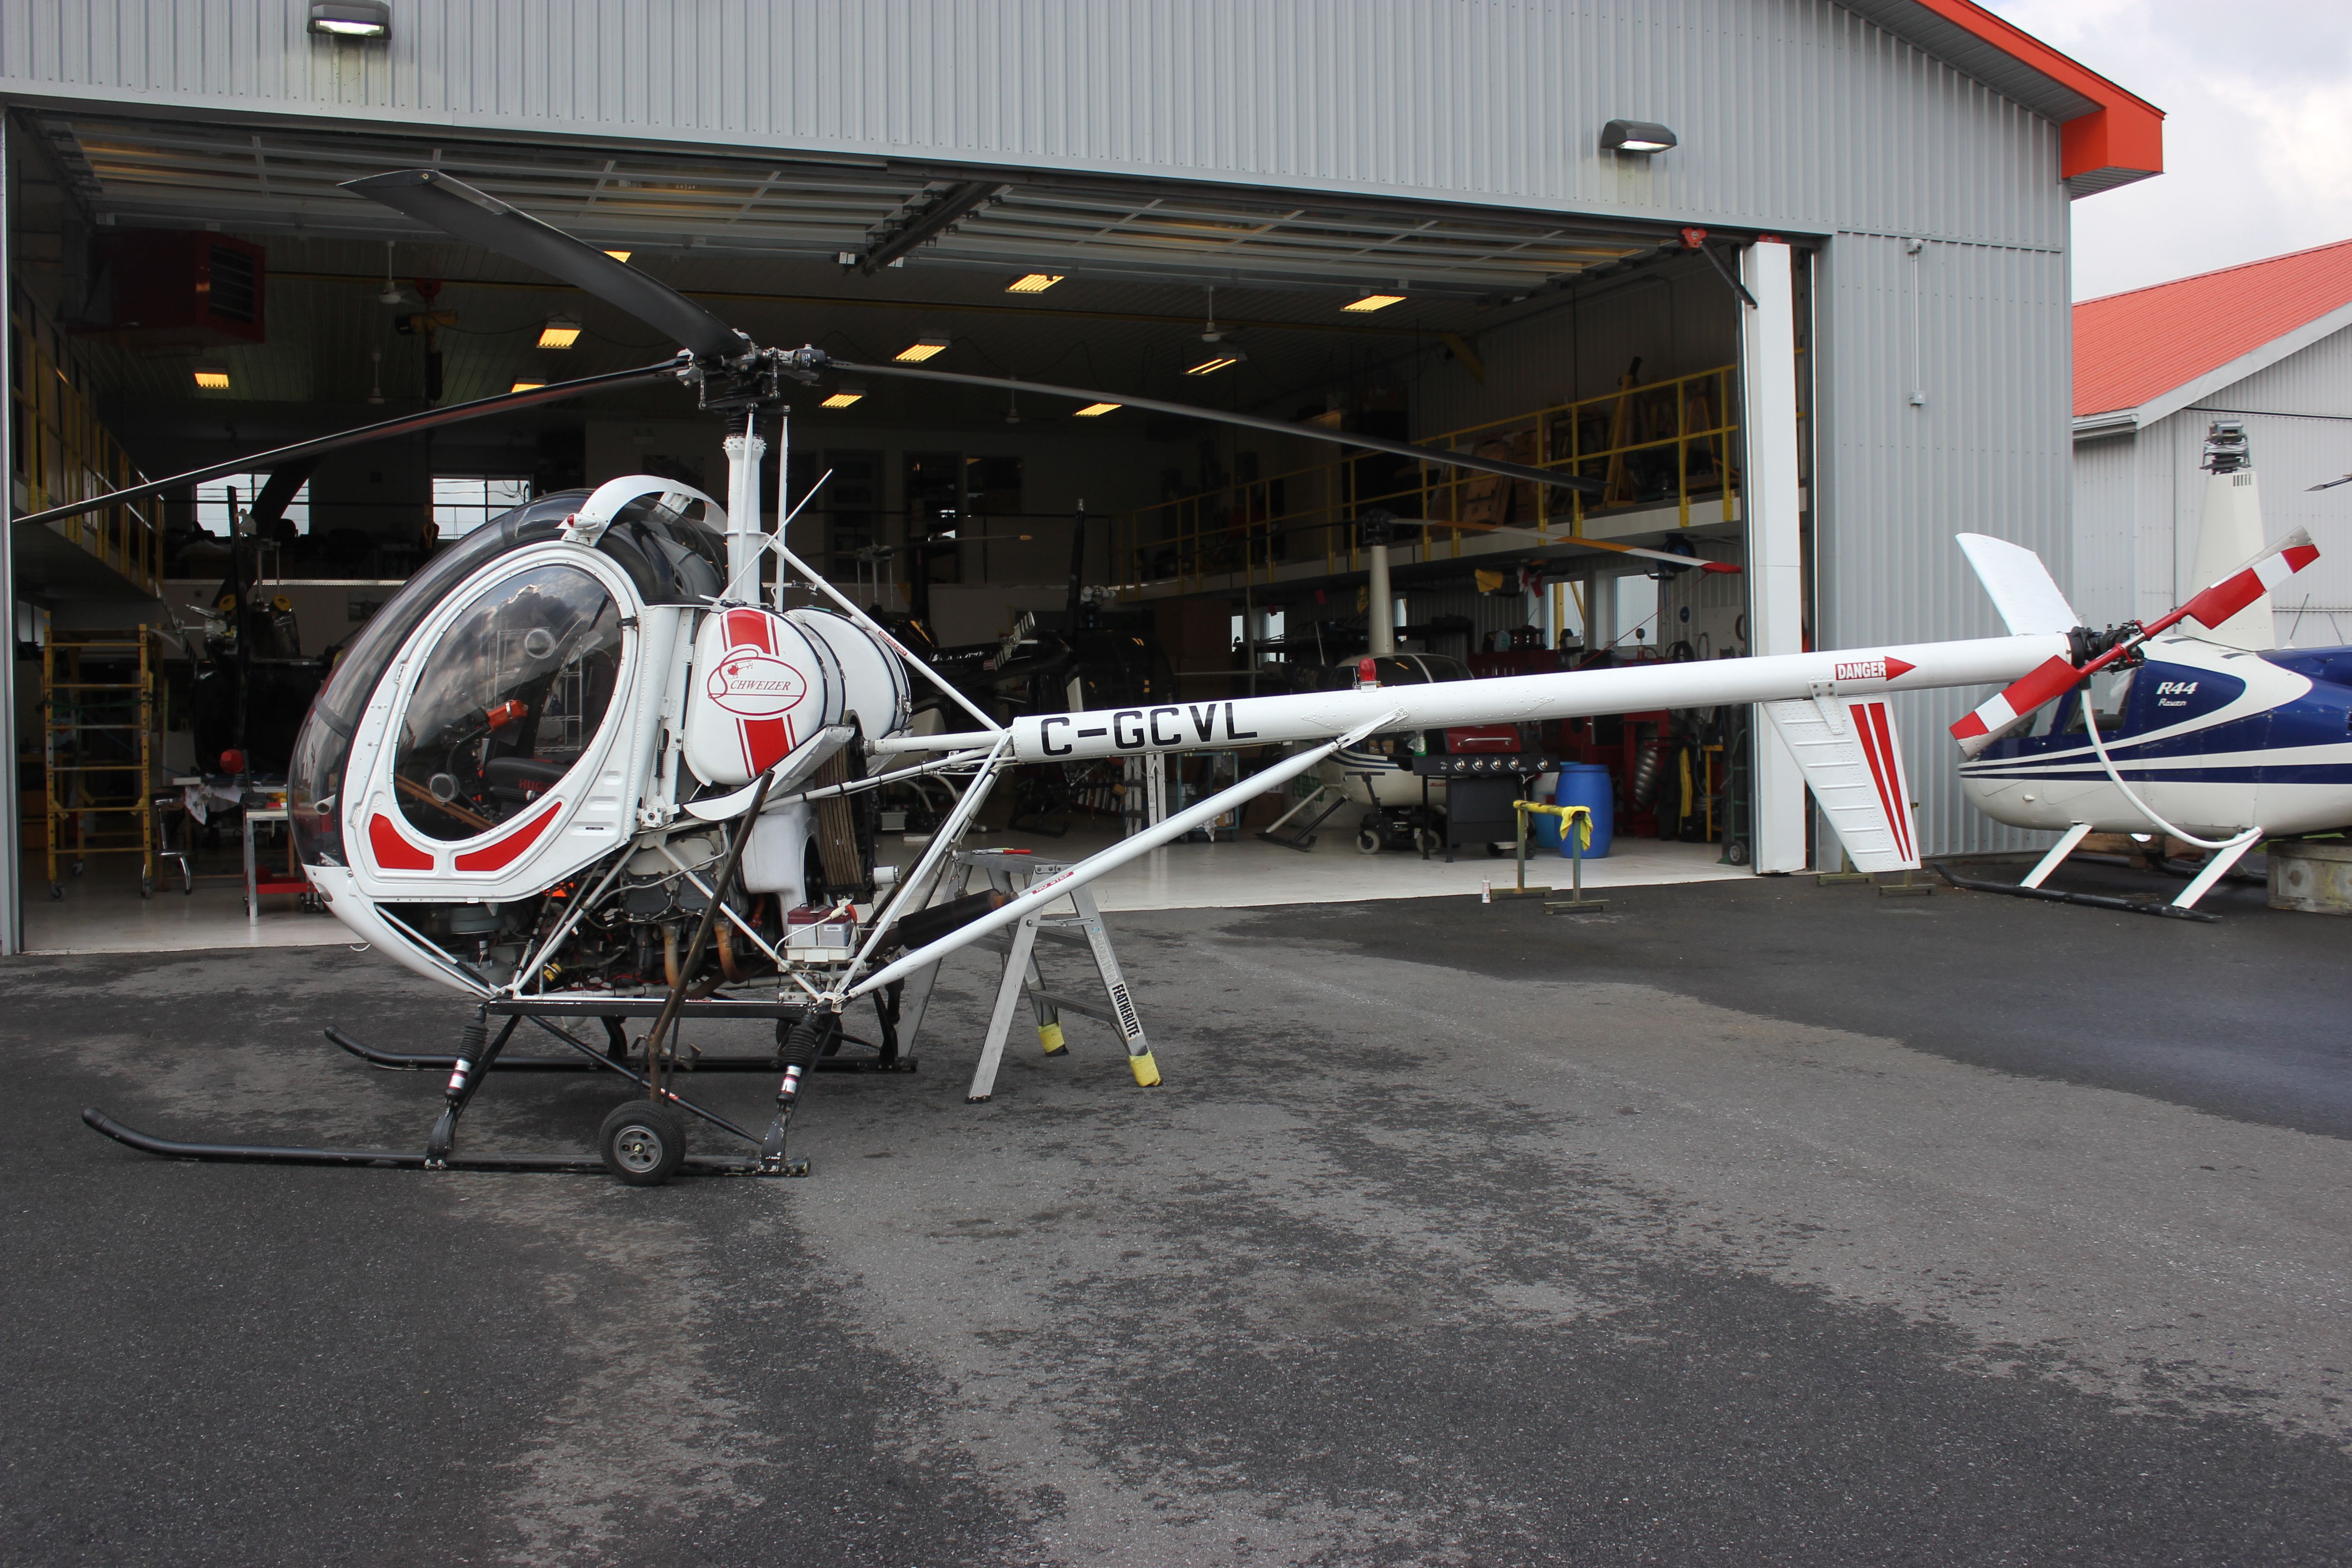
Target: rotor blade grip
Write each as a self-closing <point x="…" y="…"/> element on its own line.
<point x="476" y="217"/>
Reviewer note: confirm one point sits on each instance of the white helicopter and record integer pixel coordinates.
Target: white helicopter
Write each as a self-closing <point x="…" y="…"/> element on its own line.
<point x="577" y="768"/>
<point x="2213" y="735"/>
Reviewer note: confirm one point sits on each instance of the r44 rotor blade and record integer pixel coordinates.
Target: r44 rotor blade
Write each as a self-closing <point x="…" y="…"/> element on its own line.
<point x="479" y="218"/>
<point x="2247" y="583"/>
<point x="2056" y="677"/>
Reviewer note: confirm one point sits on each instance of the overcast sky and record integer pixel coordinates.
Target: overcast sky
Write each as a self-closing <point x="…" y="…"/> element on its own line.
<point x="2257" y="96"/>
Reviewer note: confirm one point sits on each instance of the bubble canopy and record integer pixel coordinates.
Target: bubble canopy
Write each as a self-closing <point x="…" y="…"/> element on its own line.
<point x="669" y="557"/>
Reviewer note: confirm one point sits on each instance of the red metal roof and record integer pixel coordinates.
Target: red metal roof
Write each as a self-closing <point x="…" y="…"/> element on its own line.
<point x="2132" y="348"/>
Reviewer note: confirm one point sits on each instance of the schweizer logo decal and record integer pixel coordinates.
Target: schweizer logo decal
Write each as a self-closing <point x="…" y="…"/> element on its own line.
<point x="755" y="685"/>
<point x="1874" y="670"/>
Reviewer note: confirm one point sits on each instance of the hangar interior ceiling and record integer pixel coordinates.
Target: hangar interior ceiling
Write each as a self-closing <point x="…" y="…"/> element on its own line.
<point x="862" y="258"/>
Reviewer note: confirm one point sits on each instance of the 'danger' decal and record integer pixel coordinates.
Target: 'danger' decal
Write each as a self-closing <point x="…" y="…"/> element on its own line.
<point x="756" y="685"/>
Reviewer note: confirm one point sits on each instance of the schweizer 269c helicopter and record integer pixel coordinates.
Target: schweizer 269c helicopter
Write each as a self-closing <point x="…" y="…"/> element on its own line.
<point x="576" y="766"/>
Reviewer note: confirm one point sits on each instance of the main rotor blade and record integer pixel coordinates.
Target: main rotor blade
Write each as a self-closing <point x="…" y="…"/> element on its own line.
<point x="479" y="218"/>
<point x="2056" y="677"/>
<point x="1248" y="421"/>
<point x="1699" y="563"/>
<point x="278" y="457"/>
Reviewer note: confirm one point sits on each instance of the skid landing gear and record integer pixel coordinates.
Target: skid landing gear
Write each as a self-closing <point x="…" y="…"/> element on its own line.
<point x="642" y="1142"/>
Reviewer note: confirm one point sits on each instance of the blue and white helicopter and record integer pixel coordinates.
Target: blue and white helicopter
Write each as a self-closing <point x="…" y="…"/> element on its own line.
<point x="2210" y="734"/>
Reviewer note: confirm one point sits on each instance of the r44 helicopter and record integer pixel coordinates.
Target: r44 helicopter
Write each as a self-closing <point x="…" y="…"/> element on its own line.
<point x="582" y="766"/>
<point x="2210" y="734"/>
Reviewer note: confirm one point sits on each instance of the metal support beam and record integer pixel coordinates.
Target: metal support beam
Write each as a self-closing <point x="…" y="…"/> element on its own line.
<point x="941" y="215"/>
<point x="1767" y="363"/>
<point x="11" y="911"/>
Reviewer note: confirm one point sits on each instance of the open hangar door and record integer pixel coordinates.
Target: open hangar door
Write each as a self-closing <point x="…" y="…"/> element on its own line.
<point x="1594" y="343"/>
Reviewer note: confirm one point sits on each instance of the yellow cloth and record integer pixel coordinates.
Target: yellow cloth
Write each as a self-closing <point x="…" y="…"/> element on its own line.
<point x="1580" y="816"/>
<point x="1489" y="582"/>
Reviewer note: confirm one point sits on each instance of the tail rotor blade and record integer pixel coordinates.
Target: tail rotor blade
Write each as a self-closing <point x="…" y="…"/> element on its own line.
<point x="479" y="218"/>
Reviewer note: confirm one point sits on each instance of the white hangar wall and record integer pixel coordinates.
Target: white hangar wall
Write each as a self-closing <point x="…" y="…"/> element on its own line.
<point x="1800" y="117"/>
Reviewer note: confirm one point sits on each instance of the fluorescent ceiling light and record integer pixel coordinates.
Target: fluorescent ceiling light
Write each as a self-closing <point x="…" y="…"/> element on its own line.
<point x="920" y="350"/>
<point x="561" y="332"/>
<point x="1211" y="366"/>
<point x="1642" y="136"/>
<point x="1371" y="302"/>
<point x="1034" y="283"/>
<point x="212" y="378"/>
<point x="621" y="256"/>
<point x="352" y="18"/>
<point x="1095" y="410"/>
<point x="526" y="386"/>
<point x="841" y="399"/>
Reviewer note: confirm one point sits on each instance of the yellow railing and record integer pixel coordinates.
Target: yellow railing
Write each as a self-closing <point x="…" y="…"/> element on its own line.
<point x="1665" y="443"/>
<point x="63" y="453"/>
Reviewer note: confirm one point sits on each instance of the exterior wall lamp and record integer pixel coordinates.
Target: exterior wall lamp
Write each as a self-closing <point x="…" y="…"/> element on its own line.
<point x="1639" y="137"/>
<point x="352" y="18"/>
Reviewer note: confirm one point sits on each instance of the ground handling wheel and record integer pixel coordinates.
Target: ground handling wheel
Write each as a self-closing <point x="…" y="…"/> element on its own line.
<point x="1371" y="841"/>
<point x="643" y="1143"/>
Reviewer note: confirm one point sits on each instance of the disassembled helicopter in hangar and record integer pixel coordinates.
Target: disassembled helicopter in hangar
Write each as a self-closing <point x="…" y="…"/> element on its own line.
<point x="2214" y="735"/>
<point x="575" y="768"/>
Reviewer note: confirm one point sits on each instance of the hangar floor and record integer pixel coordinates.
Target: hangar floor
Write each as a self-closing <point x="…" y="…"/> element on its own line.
<point x="1753" y="1222"/>
<point x="102" y="911"/>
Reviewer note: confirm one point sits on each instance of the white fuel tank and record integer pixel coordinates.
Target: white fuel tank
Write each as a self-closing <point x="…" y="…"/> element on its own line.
<point x="760" y="686"/>
<point x="875" y="688"/>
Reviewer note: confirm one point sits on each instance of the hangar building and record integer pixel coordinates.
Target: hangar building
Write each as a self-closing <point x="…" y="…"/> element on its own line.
<point x="1789" y="277"/>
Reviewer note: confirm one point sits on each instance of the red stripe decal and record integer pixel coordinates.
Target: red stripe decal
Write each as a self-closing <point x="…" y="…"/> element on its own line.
<point x="766" y="742"/>
<point x="750" y="628"/>
<point x="1899" y="811"/>
<point x="392" y="852"/>
<point x="501" y="853"/>
<point x="1867" y="733"/>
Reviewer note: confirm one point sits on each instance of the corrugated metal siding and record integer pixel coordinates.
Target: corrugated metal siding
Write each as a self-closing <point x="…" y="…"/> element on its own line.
<point x="2103" y="584"/>
<point x="1792" y="113"/>
<point x="1983" y="332"/>
<point x="2138" y="498"/>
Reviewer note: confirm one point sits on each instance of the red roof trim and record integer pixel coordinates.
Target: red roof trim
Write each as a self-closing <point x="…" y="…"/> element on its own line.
<point x="2124" y="135"/>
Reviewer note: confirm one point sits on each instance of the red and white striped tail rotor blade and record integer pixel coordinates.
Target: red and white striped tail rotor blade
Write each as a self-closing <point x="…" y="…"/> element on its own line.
<point x="2251" y="581"/>
<point x="1997" y="716"/>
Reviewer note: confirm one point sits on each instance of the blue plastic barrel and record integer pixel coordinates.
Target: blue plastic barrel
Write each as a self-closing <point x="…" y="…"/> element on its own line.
<point x="1543" y="832"/>
<point x="1587" y="784"/>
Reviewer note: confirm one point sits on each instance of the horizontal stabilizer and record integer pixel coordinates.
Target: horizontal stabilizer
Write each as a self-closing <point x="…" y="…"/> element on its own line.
<point x="1852" y="758"/>
<point x="2019" y="586"/>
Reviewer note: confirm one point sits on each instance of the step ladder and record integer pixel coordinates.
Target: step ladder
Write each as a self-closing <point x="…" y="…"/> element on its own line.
<point x="1014" y="872"/>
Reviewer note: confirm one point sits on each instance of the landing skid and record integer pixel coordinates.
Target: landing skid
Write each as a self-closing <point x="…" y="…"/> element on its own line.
<point x="479" y="1054"/>
<point x="2054" y="896"/>
<point x="395" y="1159"/>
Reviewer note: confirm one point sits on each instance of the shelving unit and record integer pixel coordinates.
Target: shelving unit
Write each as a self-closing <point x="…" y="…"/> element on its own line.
<point x="99" y="745"/>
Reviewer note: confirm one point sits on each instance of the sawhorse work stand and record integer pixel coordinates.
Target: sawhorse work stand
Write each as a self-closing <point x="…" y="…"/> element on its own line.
<point x="1014" y="874"/>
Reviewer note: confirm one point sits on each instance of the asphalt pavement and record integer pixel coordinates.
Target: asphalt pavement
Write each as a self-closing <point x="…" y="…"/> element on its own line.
<point x="1744" y="1223"/>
